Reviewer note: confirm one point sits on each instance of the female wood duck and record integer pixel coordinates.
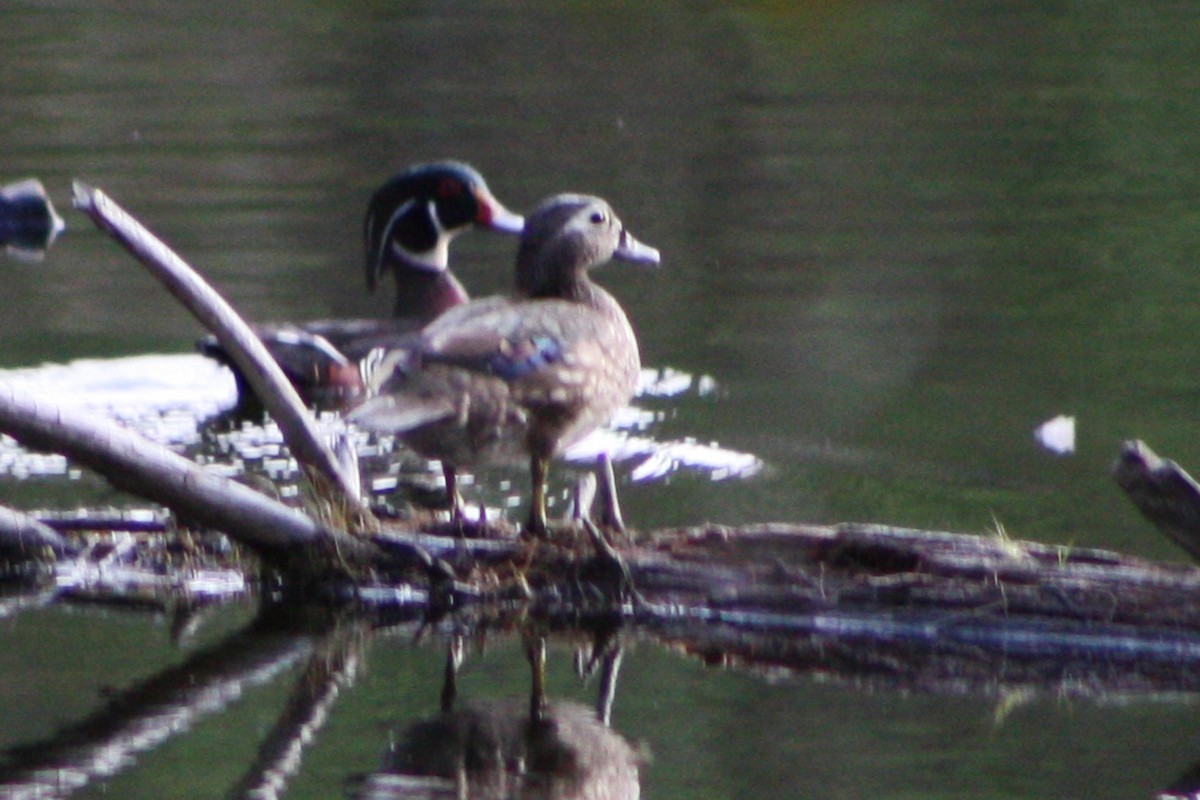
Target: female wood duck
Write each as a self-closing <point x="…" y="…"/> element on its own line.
<point x="410" y="222"/>
<point x="508" y="748"/>
<point x="502" y="378"/>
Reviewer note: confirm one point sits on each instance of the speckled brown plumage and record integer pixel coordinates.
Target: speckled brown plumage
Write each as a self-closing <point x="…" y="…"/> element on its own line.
<point x="502" y="378"/>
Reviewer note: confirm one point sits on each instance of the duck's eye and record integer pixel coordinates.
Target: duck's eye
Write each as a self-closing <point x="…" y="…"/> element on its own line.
<point x="597" y="217"/>
<point x="449" y="187"/>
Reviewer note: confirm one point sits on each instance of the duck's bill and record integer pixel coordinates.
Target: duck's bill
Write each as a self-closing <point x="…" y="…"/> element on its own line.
<point x="496" y="217"/>
<point x="633" y="251"/>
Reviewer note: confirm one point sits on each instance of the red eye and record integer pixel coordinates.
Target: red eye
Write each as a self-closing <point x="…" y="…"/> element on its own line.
<point x="448" y="187"/>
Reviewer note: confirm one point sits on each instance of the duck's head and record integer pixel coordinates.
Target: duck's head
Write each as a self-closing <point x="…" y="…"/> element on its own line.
<point x="413" y="217"/>
<point x="568" y="234"/>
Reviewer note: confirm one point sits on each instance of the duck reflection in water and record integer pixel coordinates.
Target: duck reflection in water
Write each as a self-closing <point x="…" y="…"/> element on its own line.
<point x="555" y="750"/>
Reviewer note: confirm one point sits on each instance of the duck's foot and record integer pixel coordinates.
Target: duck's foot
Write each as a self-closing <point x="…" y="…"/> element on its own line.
<point x="599" y="486"/>
<point x="453" y="499"/>
<point x="610" y="572"/>
<point x="536" y="525"/>
<point x="538" y="469"/>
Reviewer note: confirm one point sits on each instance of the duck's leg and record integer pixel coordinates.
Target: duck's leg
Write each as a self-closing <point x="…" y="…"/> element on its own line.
<point x="539" y="467"/>
<point x="455" y="499"/>
<point x="610" y="507"/>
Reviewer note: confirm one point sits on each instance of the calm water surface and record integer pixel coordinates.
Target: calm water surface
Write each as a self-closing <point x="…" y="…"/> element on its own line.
<point x="898" y="236"/>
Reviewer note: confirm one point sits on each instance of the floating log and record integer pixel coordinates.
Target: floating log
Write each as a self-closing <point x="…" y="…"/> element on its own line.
<point x="789" y="583"/>
<point x="926" y="610"/>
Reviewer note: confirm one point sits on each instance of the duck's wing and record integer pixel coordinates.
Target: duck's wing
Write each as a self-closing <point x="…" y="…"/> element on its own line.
<point x="505" y="340"/>
<point x="400" y="412"/>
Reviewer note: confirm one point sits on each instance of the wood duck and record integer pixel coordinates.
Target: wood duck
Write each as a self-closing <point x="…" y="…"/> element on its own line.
<point x="509" y="748"/>
<point x="409" y="224"/>
<point x="525" y="376"/>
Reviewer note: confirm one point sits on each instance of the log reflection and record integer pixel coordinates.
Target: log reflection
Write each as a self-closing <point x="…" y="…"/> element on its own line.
<point x="150" y="713"/>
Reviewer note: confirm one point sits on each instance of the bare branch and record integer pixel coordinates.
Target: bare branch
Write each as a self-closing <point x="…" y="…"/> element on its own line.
<point x="244" y="348"/>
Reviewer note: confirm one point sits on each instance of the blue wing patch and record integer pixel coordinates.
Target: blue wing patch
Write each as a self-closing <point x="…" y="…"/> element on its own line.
<point x="518" y="359"/>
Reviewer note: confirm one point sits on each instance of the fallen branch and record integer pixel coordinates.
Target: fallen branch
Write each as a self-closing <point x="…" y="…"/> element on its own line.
<point x="141" y="467"/>
<point x="710" y="575"/>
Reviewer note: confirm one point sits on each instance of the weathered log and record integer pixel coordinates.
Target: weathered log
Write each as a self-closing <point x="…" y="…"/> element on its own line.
<point x="925" y="610"/>
<point x="278" y="396"/>
<point x="713" y="572"/>
<point x="894" y="601"/>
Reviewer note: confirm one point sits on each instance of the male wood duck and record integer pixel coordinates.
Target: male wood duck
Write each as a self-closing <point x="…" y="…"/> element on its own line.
<point x="410" y="222"/>
<point x="503" y="378"/>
